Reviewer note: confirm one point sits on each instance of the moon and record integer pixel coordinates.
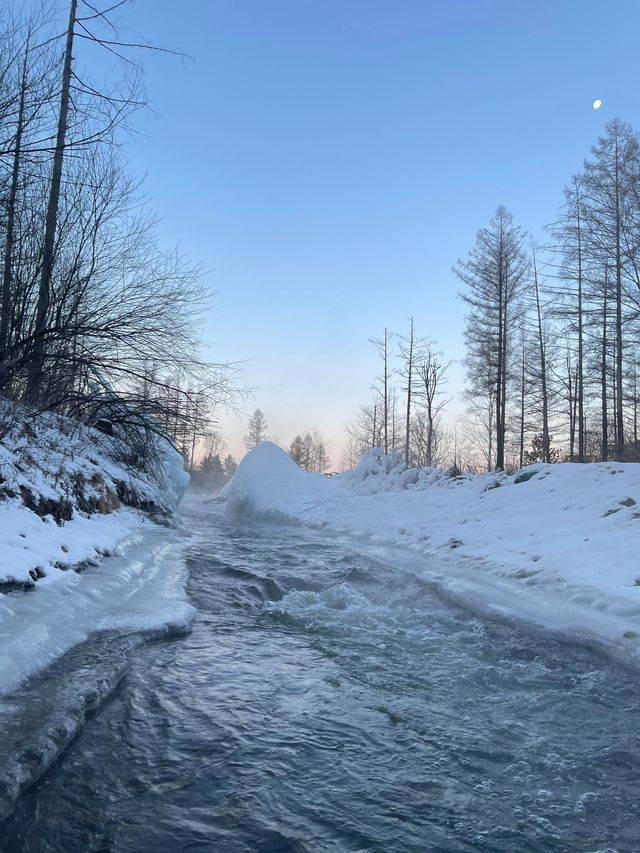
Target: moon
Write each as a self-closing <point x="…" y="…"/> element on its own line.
<point x="597" y="104"/>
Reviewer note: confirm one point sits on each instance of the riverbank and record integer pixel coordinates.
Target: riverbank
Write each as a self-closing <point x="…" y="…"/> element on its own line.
<point x="69" y="496"/>
<point x="78" y="550"/>
<point x="553" y="545"/>
<point x="69" y="499"/>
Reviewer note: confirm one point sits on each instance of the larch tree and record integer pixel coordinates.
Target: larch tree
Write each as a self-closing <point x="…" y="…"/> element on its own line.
<point x="612" y="218"/>
<point x="230" y="466"/>
<point x="495" y="274"/>
<point x="571" y="295"/>
<point x="542" y="372"/>
<point x="297" y="450"/>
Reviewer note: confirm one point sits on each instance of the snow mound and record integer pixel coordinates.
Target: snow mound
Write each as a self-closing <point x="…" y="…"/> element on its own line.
<point x="269" y="484"/>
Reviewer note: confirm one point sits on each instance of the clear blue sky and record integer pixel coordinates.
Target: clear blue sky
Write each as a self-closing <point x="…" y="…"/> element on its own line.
<point x="329" y="161"/>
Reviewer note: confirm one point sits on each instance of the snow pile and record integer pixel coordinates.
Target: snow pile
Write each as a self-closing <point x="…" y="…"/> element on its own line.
<point x="378" y="472"/>
<point x="556" y="545"/>
<point x="269" y="484"/>
<point x="68" y="496"/>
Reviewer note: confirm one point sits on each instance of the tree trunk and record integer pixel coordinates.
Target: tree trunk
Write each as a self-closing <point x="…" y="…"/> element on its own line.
<point x="500" y="365"/>
<point x="409" y="372"/>
<point x="34" y="391"/>
<point x="572" y="406"/>
<point x="522" y="395"/>
<point x="386" y="395"/>
<point x="603" y="372"/>
<point x="7" y="301"/>
<point x="580" y="381"/>
<point x="619" y="421"/>
<point x="374" y="437"/>
<point x="546" y="439"/>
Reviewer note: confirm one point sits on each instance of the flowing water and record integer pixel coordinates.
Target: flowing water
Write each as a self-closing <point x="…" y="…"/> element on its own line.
<point x="328" y="700"/>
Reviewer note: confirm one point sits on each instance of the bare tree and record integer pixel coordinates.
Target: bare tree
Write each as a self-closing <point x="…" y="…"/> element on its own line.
<point x="406" y="372"/>
<point x="382" y="384"/>
<point x="431" y="380"/>
<point x="48" y="245"/>
<point x="365" y="431"/>
<point x="309" y="451"/>
<point x="612" y="215"/>
<point x="88" y="300"/>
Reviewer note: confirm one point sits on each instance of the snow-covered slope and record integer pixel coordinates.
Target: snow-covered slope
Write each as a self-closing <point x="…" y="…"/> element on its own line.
<point x="67" y="496"/>
<point x="556" y="545"/>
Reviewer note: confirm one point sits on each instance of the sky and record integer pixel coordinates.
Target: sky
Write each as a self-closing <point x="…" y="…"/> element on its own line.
<point x="328" y="161"/>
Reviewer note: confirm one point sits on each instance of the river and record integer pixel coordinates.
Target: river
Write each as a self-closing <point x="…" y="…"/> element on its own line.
<point x="328" y="699"/>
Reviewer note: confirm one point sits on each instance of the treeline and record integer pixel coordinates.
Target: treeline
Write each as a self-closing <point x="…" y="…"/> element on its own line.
<point x="96" y="320"/>
<point x="552" y="337"/>
<point x="310" y="452"/>
<point x="213" y="469"/>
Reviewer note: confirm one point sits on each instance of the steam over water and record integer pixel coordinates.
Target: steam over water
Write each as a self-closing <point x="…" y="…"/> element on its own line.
<point x="327" y="700"/>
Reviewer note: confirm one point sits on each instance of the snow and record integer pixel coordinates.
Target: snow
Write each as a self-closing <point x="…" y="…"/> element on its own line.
<point x="28" y="542"/>
<point x="60" y="510"/>
<point x="77" y="472"/>
<point x="554" y="545"/>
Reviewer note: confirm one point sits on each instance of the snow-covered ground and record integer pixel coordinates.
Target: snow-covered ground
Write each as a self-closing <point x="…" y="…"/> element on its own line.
<point x="64" y="491"/>
<point x="555" y="545"/>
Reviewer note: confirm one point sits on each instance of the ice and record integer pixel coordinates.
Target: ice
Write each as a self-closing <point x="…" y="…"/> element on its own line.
<point x="142" y="589"/>
<point x="173" y="464"/>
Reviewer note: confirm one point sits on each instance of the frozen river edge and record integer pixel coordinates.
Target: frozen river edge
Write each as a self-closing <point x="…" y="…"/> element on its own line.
<point x="67" y="646"/>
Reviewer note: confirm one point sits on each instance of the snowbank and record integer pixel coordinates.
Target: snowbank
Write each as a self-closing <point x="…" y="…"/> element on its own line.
<point x="68" y="497"/>
<point x="140" y="594"/>
<point x="556" y="545"/>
